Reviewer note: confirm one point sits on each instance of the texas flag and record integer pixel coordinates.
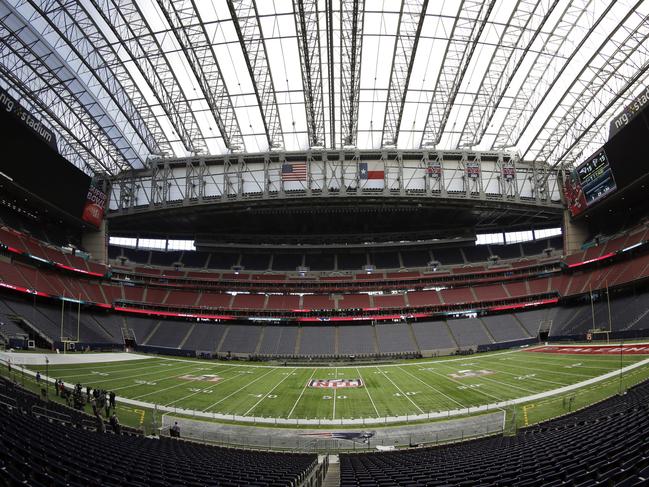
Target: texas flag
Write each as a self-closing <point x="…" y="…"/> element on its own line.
<point x="371" y="170"/>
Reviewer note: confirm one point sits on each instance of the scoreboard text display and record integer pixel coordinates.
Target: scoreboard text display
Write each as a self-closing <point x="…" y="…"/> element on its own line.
<point x="596" y="178"/>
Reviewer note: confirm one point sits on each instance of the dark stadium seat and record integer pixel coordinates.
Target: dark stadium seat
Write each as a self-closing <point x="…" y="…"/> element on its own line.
<point x="353" y="261"/>
<point x="39" y="451"/>
<point x="319" y="261"/>
<point x="604" y="444"/>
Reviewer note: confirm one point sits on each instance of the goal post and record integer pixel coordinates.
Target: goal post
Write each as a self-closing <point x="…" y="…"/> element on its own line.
<point x="596" y="334"/>
<point x="69" y="344"/>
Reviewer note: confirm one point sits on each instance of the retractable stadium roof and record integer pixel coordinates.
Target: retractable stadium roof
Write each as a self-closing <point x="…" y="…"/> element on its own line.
<point x="124" y="81"/>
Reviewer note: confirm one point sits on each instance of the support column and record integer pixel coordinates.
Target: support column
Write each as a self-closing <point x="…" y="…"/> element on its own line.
<point x="95" y="242"/>
<point x="575" y="234"/>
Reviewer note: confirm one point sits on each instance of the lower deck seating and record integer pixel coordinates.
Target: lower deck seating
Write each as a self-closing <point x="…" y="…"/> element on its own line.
<point x="104" y="328"/>
<point x="606" y="444"/>
<point x="38" y="452"/>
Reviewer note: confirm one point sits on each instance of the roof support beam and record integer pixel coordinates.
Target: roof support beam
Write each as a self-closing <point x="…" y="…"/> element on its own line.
<point x="351" y="47"/>
<point x="307" y="26"/>
<point x="616" y="66"/>
<point x="411" y="21"/>
<point x="578" y="21"/>
<point x="110" y="67"/>
<point x="246" y="22"/>
<point x="43" y="74"/>
<point x="117" y="105"/>
<point x="468" y="26"/>
<point x="331" y="73"/>
<point x="188" y="27"/>
<point x="129" y="24"/>
<point x="523" y="27"/>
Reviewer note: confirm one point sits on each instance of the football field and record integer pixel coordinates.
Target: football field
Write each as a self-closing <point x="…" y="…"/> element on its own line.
<point x="409" y="388"/>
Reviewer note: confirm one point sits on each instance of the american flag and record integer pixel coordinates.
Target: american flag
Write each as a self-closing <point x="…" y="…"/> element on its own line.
<point x="294" y="171"/>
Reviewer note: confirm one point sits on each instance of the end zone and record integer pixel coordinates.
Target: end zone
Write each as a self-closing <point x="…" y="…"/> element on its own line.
<point x="630" y="349"/>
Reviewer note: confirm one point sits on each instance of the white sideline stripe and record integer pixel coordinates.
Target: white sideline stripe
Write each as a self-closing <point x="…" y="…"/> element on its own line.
<point x="266" y="395"/>
<point x="370" y="366"/>
<point x="396" y="419"/>
<point x="301" y="393"/>
<point x="402" y="393"/>
<point x="72" y="358"/>
<point x="434" y="388"/>
<point x="367" y="389"/>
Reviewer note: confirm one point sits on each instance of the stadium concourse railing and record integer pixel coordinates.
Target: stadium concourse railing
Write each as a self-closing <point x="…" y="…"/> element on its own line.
<point x="617" y="262"/>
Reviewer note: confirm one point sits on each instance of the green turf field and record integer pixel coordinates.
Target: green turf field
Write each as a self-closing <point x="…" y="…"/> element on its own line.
<point x="408" y="388"/>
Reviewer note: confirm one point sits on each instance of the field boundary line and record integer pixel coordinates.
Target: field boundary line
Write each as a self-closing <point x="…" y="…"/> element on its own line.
<point x="363" y="421"/>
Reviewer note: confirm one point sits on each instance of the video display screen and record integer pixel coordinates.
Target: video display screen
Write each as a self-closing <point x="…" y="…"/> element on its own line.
<point x="591" y="182"/>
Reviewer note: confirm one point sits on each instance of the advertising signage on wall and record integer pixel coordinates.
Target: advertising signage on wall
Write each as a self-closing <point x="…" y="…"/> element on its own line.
<point x="589" y="183"/>
<point x="10" y="105"/>
<point x="631" y="110"/>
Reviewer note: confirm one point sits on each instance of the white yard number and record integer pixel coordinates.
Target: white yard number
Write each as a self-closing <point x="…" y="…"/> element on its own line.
<point x="572" y="366"/>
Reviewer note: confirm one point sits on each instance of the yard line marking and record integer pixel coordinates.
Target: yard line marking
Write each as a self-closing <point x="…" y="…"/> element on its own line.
<point x="152" y="361"/>
<point x="158" y="380"/>
<point x="519" y="366"/>
<point x="458" y="382"/>
<point x="236" y="376"/>
<point x="402" y="393"/>
<point x="175" y="385"/>
<point x="300" y="396"/>
<point x="368" y="392"/>
<point x="507" y="384"/>
<point x="239" y="390"/>
<point x="65" y="376"/>
<point x="545" y="364"/>
<point x="433" y="388"/>
<point x="536" y="370"/>
<point x="103" y="381"/>
<point x="266" y="395"/>
<point x="335" y="393"/>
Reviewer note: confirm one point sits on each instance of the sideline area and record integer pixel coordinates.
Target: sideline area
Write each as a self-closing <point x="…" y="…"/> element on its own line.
<point x="26" y="358"/>
<point x="288" y="423"/>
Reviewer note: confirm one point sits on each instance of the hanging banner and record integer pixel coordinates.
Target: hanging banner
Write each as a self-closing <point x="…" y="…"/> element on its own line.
<point x="509" y="171"/>
<point x="434" y="169"/>
<point x="93" y="210"/>
<point x="473" y="170"/>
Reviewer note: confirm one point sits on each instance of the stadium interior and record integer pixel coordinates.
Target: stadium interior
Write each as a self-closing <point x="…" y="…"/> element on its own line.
<point x="432" y="216"/>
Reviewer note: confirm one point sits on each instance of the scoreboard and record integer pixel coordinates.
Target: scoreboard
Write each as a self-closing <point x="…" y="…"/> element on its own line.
<point x="591" y="182"/>
<point x="596" y="178"/>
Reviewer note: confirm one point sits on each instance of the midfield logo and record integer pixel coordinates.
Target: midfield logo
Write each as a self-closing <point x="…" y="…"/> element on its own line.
<point x="335" y="383"/>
